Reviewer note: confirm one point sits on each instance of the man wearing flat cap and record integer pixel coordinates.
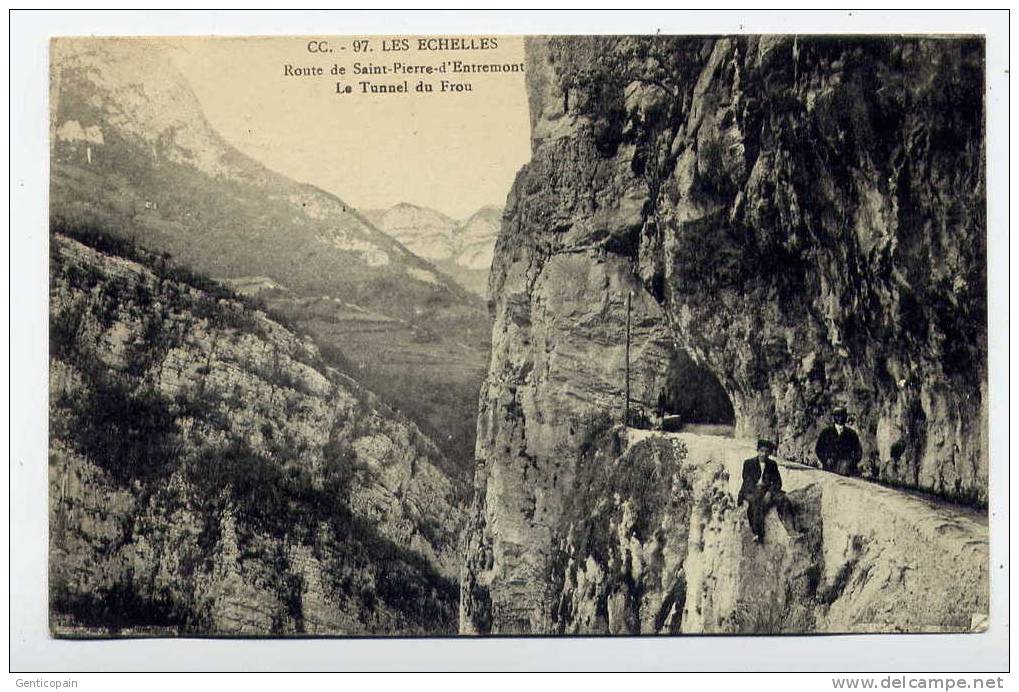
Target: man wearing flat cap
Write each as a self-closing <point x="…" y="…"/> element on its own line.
<point x="762" y="487"/>
<point x="838" y="447"/>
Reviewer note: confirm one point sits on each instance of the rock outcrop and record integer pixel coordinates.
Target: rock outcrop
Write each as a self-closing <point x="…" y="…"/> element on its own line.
<point x="652" y="542"/>
<point x="211" y="473"/>
<point x="804" y="217"/>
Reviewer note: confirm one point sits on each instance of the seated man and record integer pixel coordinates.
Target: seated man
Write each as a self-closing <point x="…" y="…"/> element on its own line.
<point x="762" y="488"/>
<point x="838" y="447"/>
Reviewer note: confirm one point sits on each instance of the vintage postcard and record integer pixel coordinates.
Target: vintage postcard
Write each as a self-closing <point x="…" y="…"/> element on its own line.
<point x="505" y="335"/>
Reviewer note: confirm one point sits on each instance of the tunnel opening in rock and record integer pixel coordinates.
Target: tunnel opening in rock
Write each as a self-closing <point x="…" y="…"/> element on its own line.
<point x="692" y="395"/>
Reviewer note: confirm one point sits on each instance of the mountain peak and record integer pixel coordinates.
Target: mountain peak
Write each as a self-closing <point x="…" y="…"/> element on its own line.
<point x="463" y="249"/>
<point x="424" y="231"/>
<point x="113" y="84"/>
<point x="125" y="116"/>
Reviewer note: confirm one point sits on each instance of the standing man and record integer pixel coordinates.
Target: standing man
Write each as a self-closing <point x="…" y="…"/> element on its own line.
<point x="762" y="487"/>
<point x="838" y="447"/>
<point x="660" y="411"/>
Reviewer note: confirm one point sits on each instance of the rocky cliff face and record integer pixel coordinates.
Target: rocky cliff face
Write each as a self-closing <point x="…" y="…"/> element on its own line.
<point x="805" y="219"/>
<point x="652" y="542"/>
<point x="212" y="473"/>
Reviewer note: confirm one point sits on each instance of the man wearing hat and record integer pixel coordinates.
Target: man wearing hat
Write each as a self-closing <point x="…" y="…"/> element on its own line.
<point x="838" y="447"/>
<point x="762" y="487"/>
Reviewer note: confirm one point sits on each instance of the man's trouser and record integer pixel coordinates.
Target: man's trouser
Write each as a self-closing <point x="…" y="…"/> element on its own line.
<point x="760" y="502"/>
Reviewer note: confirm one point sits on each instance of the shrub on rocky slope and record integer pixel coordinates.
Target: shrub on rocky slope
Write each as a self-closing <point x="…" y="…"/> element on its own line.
<point x="211" y="473"/>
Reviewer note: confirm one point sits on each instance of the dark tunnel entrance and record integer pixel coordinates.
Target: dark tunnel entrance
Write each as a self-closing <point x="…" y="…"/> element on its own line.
<point x="691" y="395"/>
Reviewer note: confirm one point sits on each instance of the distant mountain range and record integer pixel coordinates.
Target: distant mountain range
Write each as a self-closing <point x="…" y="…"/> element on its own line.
<point x="462" y="249"/>
<point x="133" y="156"/>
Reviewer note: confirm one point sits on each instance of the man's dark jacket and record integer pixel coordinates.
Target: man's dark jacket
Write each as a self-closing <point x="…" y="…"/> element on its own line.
<point x="839" y="453"/>
<point x="771" y="479"/>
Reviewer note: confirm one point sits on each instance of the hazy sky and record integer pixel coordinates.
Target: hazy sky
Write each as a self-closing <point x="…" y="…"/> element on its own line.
<point x="452" y="152"/>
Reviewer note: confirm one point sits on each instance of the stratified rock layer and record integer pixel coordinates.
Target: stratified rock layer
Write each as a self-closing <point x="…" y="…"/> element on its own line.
<point x="805" y="218"/>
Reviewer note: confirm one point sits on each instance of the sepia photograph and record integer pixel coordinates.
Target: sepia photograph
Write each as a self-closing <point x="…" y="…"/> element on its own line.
<point x="680" y="335"/>
<point x="534" y="337"/>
